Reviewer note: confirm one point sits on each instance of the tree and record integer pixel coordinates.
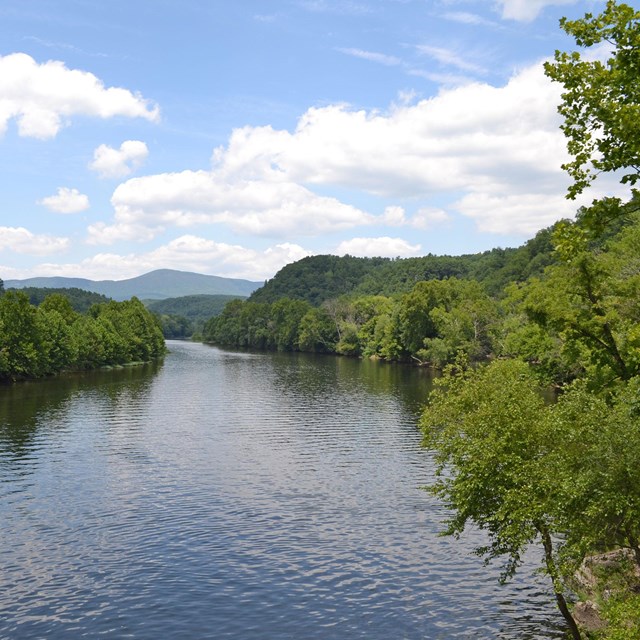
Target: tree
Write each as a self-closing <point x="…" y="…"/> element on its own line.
<point x="601" y="102"/>
<point x="19" y="337"/>
<point x="595" y="464"/>
<point x="490" y="448"/>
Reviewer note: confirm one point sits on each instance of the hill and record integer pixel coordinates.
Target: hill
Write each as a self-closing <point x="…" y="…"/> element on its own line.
<point x="80" y="299"/>
<point x="196" y="307"/>
<point x="316" y="279"/>
<point x="155" y="285"/>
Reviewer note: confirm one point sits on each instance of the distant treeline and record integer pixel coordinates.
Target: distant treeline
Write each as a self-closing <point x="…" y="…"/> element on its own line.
<point x="53" y="337"/>
<point x="79" y="299"/>
<point x="185" y="316"/>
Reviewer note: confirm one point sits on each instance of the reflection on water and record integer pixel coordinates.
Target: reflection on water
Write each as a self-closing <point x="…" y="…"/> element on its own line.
<point x="237" y="495"/>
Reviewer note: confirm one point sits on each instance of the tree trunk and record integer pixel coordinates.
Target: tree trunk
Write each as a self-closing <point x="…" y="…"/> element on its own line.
<point x="635" y="546"/>
<point x="557" y="589"/>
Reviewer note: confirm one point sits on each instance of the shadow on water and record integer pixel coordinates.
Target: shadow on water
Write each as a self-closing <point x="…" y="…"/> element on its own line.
<point x="28" y="405"/>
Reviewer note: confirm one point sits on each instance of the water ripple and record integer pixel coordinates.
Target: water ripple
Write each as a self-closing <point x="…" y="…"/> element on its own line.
<point x="243" y="496"/>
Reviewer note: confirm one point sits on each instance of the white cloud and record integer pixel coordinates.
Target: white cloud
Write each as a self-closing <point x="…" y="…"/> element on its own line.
<point x="118" y="163"/>
<point x="372" y="56"/>
<point x="515" y="213"/>
<point x="394" y="216"/>
<point x="428" y="217"/>
<point x="449" y="58"/>
<point x="21" y="240"/>
<point x="481" y="148"/>
<point x="528" y="10"/>
<point x="464" y="17"/>
<point x="258" y="207"/>
<point x="66" y="201"/>
<point x="40" y="97"/>
<point x="377" y="247"/>
<point x="185" y="253"/>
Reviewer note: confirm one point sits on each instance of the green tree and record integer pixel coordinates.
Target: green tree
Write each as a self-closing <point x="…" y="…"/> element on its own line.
<point x="286" y="316"/>
<point x="19" y="337"/>
<point x="317" y="332"/>
<point x="590" y="302"/>
<point x="595" y="464"/>
<point x="601" y="102"/>
<point x="57" y="348"/>
<point x="490" y="447"/>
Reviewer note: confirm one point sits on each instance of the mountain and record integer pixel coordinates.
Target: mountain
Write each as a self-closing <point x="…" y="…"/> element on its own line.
<point x="155" y="285"/>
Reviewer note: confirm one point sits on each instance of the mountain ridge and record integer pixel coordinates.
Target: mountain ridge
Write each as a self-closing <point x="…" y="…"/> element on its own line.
<point x="154" y="285"/>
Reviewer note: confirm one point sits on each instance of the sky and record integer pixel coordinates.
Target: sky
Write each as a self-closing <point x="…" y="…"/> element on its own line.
<point x="232" y="138"/>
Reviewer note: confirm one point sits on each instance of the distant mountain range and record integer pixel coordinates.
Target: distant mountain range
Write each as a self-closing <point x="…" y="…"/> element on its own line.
<point x="155" y="285"/>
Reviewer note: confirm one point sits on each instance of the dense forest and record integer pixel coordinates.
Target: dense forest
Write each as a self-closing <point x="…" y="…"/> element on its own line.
<point x="562" y="310"/>
<point x="37" y="341"/>
<point x="185" y="316"/>
<point x="317" y="279"/>
<point x="79" y="299"/>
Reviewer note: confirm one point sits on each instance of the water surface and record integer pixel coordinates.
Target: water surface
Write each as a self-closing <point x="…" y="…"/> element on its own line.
<point x="237" y="495"/>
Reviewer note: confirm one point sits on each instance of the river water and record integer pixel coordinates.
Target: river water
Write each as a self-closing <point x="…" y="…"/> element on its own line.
<point x="238" y="495"/>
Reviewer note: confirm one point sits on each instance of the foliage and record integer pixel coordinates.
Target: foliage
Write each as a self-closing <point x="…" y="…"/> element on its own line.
<point x="317" y="279"/>
<point x="185" y="316"/>
<point x="175" y="327"/>
<point x="563" y="474"/>
<point x="79" y="299"/>
<point x="623" y="617"/>
<point x="431" y="324"/>
<point x="601" y="102"/>
<point x="484" y="427"/>
<point x="258" y="325"/>
<point x="39" y="341"/>
<point x="490" y="440"/>
<point x="194" y="308"/>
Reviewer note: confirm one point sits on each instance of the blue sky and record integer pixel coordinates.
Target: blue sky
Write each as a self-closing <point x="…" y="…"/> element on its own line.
<point x="231" y="138"/>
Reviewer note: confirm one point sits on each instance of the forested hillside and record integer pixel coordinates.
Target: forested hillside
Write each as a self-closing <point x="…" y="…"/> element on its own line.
<point x="317" y="279"/>
<point x="183" y="316"/>
<point x="79" y="299"/>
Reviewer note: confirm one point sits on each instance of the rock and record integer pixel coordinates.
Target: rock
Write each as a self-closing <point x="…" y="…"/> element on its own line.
<point x="589" y="576"/>
<point x="587" y="616"/>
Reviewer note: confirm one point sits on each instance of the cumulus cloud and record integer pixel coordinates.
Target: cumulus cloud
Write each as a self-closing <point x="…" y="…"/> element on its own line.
<point x="21" y="240"/>
<point x="490" y="153"/>
<point x="41" y="97"/>
<point x="466" y="137"/>
<point x="528" y="10"/>
<point x="429" y="217"/>
<point x="66" y="201"/>
<point x="384" y="247"/>
<point x="118" y="163"/>
<point x="185" y="253"/>
<point x="259" y="207"/>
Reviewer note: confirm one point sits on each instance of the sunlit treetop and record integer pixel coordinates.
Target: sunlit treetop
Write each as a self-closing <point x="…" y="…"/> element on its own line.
<point x="601" y="101"/>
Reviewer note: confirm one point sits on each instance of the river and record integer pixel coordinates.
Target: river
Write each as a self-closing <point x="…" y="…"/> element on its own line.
<point x="238" y="495"/>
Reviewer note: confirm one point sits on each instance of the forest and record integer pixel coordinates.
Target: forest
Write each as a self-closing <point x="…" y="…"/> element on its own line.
<point x="562" y="312"/>
<point x="37" y="341"/>
<point x="508" y="328"/>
